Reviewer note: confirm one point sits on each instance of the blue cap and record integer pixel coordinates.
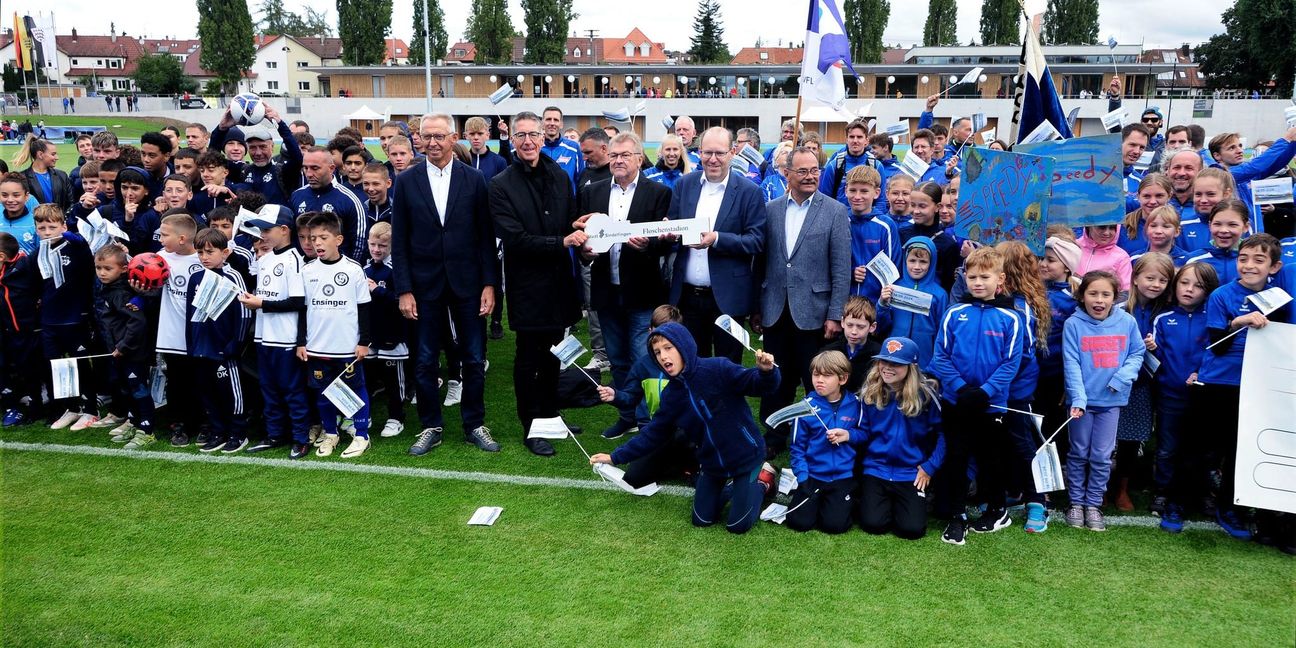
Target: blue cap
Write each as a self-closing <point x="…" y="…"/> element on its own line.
<point x="899" y="350"/>
<point x="236" y="135"/>
<point x="1153" y="110"/>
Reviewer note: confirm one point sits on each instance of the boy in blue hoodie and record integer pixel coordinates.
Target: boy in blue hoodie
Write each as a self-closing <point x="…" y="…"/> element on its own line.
<point x="825" y="470"/>
<point x="871" y="231"/>
<point x="216" y="344"/>
<point x="918" y="274"/>
<point x="978" y="352"/>
<point x="706" y="397"/>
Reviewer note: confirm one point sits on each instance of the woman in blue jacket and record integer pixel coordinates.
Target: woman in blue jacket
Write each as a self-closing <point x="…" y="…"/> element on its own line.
<point x="900" y="434"/>
<point x="1102" y="352"/>
<point x="707" y="399"/>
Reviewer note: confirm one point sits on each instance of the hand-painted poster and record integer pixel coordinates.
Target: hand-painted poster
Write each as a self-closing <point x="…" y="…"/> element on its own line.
<point x="1004" y="196"/>
<point x="1088" y="179"/>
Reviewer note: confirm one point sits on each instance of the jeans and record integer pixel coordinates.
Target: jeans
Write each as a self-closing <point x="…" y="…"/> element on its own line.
<point x="744" y="507"/>
<point x="1089" y="460"/>
<point x="625" y="334"/>
<point x="471" y="331"/>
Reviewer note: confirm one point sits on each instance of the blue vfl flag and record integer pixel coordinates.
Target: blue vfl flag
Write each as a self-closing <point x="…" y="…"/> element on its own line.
<point x="1036" y="96"/>
<point x="826" y="50"/>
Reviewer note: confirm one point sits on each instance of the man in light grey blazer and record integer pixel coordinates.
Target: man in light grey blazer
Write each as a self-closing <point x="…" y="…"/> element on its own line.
<point x="804" y="280"/>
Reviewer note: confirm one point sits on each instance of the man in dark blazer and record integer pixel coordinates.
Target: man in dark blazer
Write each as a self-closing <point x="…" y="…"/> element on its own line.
<point x="443" y="259"/>
<point x="714" y="277"/>
<point x="625" y="281"/>
<point x="532" y="205"/>
<point x="804" y="276"/>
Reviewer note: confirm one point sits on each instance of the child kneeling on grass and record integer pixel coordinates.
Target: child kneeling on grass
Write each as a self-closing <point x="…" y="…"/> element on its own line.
<point x="822" y="460"/>
<point x="706" y="399"/>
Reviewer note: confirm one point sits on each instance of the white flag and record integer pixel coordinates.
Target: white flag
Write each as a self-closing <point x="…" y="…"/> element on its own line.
<point x="343" y="397"/>
<point x="66" y="378"/>
<point x="826" y="50"/>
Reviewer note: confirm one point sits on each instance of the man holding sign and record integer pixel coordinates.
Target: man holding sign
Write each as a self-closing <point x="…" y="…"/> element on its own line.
<point x="625" y="281"/>
<point x="806" y="279"/>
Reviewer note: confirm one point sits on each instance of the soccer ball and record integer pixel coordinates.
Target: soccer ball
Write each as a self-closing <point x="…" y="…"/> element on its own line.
<point x="247" y="109"/>
<point x="149" y="269"/>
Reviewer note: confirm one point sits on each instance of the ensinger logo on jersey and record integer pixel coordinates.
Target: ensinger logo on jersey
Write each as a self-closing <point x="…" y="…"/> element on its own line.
<point x="328" y="290"/>
<point x="265" y="281"/>
<point x="341" y="279"/>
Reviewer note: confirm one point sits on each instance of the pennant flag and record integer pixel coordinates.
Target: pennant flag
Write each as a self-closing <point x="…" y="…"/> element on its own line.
<point x="548" y="428"/>
<point x="1111" y="42"/>
<point x="971" y="76"/>
<point x="66" y="378"/>
<point x="734" y="329"/>
<point x="668" y="124"/>
<point x="568" y="350"/>
<point x="1036" y="97"/>
<point x="1046" y="469"/>
<point x="622" y="115"/>
<point x="794" y="411"/>
<point x="343" y="397"/>
<point x="505" y="91"/>
<point x="1071" y="116"/>
<point x="826" y="50"/>
<point x="42" y="33"/>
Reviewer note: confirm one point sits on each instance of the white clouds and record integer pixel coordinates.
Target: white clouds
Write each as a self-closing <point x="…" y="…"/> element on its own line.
<point x="1153" y="22"/>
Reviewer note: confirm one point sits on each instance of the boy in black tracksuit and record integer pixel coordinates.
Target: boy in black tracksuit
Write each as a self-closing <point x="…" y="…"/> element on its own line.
<point x="123" y="322"/>
<point x="20" y="289"/>
<point x="216" y="345"/>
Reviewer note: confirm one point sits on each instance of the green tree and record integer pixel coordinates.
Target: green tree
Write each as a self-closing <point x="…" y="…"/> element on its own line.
<point x="276" y="19"/>
<point x="317" y="23"/>
<point x="546" y="30"/>
<point x="1258" y="46"/>
<point x="708" y="35"/>
<point x="363" y="26"/>
<point x="865" y="22"/>
<point x="1072" y="22"/>
<point x="941" y="26"/>
<point x="1000" y="22"/>
<point x="436" y="25"/>
<point x="491" y="30"/>
<point x="225" y="29"/>
<point x="161" y="74"/>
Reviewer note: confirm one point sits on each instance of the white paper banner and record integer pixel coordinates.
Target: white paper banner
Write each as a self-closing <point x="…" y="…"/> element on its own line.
<point x="733" y="328"/>
<point x="1045" y="132"/>
<point x="914" y="166"/>
<point x="1271" y="191"/>
<point x="1046" y="468"/>
<point x="604" y="232"/>
<point x="617" y="476"/>
<point x="213" y="296"/>
<point x="343" y="398"/>
<point x="1270" y="300"/>
<point x="567" y="351"/>
<point x="50" y="262"/>
<point x="1114" y="119"/>
<point x="908" y="299"/>
<point x="548" y="428"/>
<point x="66" y="378"/>
<point x="751" y="155"/>
<point x="883" y="269"/>
<point x="1266" y="441"/>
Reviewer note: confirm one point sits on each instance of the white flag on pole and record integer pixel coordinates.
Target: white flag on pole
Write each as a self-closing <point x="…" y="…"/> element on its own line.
<point x="826" y="50"/>
<point x="66" y="378"/>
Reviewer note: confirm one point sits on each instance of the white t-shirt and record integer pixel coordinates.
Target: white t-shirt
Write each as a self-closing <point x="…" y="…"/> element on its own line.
<point x="279" y="277"/>
<point x="334" y="292"/>
<point x="175" y="297"/>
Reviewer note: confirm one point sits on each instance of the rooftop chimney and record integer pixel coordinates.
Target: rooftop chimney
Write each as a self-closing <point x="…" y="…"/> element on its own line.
<point x="74" y="36"/>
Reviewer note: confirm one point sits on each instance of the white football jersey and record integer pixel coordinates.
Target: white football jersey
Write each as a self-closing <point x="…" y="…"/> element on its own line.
<point x="334" y="292"/>
<point x="175" y="296"/>
<point x="278" y="277"/>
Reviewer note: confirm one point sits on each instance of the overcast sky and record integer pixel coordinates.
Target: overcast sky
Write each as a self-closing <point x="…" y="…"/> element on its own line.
<point x="1130" y="21"/>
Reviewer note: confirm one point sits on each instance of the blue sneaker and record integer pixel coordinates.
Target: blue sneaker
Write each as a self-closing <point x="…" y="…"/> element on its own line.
<point x="1228" y="520"/>
<point x="1036" y="518"/>
<point x="1172" y="519"/>
<point x="15" y="416"/>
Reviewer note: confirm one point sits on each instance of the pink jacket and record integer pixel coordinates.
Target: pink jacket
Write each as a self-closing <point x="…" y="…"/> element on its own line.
<point x="1107" y="257"/>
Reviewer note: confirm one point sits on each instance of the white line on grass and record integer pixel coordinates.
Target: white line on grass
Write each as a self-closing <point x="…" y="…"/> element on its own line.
<point x="1146" y="521"/>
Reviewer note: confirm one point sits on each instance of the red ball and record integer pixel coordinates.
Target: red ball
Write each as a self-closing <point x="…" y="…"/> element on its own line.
<point x="149" y="269"/>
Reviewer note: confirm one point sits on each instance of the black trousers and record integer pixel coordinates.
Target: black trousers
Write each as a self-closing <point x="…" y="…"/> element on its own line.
<point x="535" y="375"/>
<point x="666" y="462"/>
<point x="1220" y="421"/>
<point x="887" y="506"/>
<point x="793" y="348"/>
<point x="972" y="434"/>
<point x="698" y="306"/>
<point x="821" y="505"/>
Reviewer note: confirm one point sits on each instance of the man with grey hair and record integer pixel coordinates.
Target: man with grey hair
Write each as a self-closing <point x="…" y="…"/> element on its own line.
<point x="687" y="132"/>
<point x="532" y="207"/>
<point x="749" y="137"/>
<point x="789" y="131"/>
<point x="443" y="259"/>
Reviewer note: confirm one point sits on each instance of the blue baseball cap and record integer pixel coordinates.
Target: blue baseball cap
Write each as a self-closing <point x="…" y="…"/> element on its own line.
<point x="899" y="350"/>
<point x="1153" y="110"/>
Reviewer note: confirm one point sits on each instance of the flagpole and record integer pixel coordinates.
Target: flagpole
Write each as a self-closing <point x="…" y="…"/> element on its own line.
<point x="796" y="121"/>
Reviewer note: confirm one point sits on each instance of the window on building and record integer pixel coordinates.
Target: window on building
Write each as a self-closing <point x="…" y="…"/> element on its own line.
<point x="121" y="84"/>
<point x="272" y="65"/>
<point x="114" y="63"/>
<point x="98" y="62"/>
<point x="75" y="63"/>
<point x="576" y="52"/>
<point x="764" y="56"/>
<point x="302" y="64"/>
<point x="645" y="49"/>
<point x="461" y="52"/>
<point x="398" y="50"/>
<point x="629" y="50"/>
<point x="304" y="86"/>
<point x="272" y="85"/>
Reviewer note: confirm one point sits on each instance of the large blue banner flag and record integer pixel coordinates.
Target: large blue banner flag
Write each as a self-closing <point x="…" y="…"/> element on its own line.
<point x="1036" y="97"/>
<point x="826" y="50"/>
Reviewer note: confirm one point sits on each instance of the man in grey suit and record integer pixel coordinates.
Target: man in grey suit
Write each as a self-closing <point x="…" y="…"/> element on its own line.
<point x="804" y="278"/>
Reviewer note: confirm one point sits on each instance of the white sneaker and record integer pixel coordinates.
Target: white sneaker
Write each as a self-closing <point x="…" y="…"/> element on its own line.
<point x="486" y="367"/>
<point x="454" y="393"/>
<point x="112" y="420"/>
<point x="357" y="448"/>
<point x="326" y="445"/>
<point x="316" y="435"/>
<point x="69" y="417"/>
<point x="598" y="363"/>
<point x="123" y="428"/>
<point x="84" y="421"/>
<point x="124" y="433"/>
<point x="347" y="425"/>
<point x="392" y="428"/>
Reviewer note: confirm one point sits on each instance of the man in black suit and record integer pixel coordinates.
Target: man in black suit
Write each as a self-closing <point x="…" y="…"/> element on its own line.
<point x="443" y="259"/>
<point x="533" y="206"/>
<point x="625" y="281"/>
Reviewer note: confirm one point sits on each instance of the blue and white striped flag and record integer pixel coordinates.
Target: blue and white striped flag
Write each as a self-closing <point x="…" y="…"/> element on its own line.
<point x="826" y="50"/>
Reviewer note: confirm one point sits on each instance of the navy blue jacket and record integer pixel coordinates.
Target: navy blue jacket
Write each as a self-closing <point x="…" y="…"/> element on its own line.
<point x="430" y="259"/>
<point x="20" y="290"/>
<point x="349" y="209"/>
<point x="707" y="400"/>
<point x="489" y="164"/>
<point x="979" y="344"/>
<point x="123" y="320"/>
<point x="740" y="224"/>
<point x="813" y="456"/>
<point x="894" y="445"/>
<point x="72" y="302"/>
<point x="276" y="180"/>
<point x="222" y="338"/>
<point x="386" y="324"/>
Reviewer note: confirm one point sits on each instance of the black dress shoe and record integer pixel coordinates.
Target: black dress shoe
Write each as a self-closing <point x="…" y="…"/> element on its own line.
<point x="539" y="447"/>
<point x="496" y="331"/>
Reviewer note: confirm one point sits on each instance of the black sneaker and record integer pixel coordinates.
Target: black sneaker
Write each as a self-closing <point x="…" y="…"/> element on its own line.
<point x="299" y="450"/>
<point x="992" y="520"/>
<point x="496" y="331"/>
<point x="213" y="444"/>
<point x="179" y="439"/>
<point x="618" y="429"/>
<point x="267" y="444"/>
<point x="202" y="438"/>
<point x="427" y="439"/>
<point x="1158" y="506"/>
<point x="481" y="437"/>
<point x="956" y="531"/>
<point x="234" y="445"/>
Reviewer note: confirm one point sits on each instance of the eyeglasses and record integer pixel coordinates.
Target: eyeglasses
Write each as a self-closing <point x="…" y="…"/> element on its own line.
<point x="534" y="135"/>
<point x="438" y="137"/>
<point x="621" y="156"/>
<point x="711" y="154"/>
<point x="804" y="173"/>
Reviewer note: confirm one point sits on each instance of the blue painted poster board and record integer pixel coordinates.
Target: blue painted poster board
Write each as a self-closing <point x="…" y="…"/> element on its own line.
<point x="1004" y="196"/>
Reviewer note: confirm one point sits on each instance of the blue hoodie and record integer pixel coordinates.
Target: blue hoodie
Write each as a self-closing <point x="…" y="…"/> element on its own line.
<point x="643" y="390"/>
<point x="707" y="400"/>
<point x="1181" y="339"/>
<point x="921" y="329"/>
<point x="72" y="302"/>
<point x="1064" y="304"/>
<point x="1224" y="260"/>
<point x="813" y="456"/>
<point x="1101" y="358"/>
<point x="895" y="445"/>
<point x="870" y="234"/>
<point x="1273" y="160"/>
<point x="979" y="344"/>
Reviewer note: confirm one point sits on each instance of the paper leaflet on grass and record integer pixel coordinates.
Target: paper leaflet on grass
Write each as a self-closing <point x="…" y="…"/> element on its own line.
<point x="341" y="395"/>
